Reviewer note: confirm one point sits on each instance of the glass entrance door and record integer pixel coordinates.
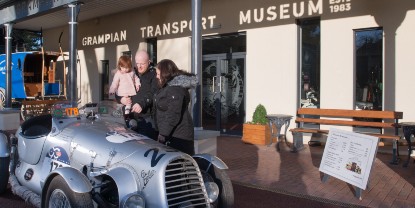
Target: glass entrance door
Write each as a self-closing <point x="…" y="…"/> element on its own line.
<point x="223" y="103"/>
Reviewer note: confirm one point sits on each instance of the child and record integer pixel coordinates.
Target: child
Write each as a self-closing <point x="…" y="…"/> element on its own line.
<point x="125" y="83"/>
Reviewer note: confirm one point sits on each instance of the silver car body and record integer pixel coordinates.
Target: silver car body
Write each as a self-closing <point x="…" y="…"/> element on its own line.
<point x="86" y="148"/>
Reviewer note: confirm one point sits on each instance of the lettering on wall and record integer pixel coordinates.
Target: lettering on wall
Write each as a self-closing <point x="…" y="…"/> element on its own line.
<point x="252" y="17"/>
<point x="105" y="38"/>
<point x="340" y="6"/>
<point x="174" y="27"/>
<point x="283" y="11"/>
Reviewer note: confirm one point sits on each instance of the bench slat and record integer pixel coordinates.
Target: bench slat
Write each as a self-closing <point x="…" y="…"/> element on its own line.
<point x="350" y="113"/>
<point x="31" y="108"/>
<point x="322" y="131"/>
<point x="39" y="102"/>
<point x="342" y="117"/>
<point x="36" y="106"/>
<point x="346" y="123"/>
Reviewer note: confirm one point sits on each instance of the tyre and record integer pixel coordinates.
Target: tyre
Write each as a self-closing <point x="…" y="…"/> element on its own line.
<point x="59" y="195"/>
<point x="4" y="173"/>
<point x="221" y="178"/>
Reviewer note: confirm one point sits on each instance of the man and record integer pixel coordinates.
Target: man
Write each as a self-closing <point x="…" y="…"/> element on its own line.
<point x="143" y="101"/>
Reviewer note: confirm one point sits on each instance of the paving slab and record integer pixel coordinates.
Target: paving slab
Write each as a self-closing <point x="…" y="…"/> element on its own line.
<point x="298" y="174"/>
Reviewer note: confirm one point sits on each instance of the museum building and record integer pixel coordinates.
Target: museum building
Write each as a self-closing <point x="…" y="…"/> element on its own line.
<point x="345" y="54"/>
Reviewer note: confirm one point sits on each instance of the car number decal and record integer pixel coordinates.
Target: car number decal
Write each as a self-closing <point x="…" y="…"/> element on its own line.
<point x="59" y="112"/>
<point x="72" y="111"/>
<point x="155" y="157"/>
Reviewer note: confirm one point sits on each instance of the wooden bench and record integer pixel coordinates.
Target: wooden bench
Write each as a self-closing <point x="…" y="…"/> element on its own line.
<point x="31" y="108"/>
<point x="370" y="122"/>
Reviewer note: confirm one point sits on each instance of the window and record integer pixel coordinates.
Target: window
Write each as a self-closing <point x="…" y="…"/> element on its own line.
<point x="310" y="63"/>
<point x="224" y="43"/>
<point x="369" y="72"/>
<point x="105" y="80"/>
<point x="152" y="50"/>
<point x="126" y="53"/>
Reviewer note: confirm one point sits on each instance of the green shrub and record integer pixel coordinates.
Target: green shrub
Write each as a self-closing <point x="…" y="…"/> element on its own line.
<point x="259" y="116"/>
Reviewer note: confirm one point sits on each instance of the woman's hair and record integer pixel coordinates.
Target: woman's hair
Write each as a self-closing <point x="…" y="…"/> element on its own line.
<point x="169" y="70"/>
<point x="125" y="61"/>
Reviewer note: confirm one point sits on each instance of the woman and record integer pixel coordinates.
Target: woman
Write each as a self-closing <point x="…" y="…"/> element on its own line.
<point x="173" y="120"/>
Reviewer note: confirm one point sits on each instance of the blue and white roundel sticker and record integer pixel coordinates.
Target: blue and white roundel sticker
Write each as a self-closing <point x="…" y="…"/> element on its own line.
<point x="56" y="157"/>
<point x="58" y="154"/>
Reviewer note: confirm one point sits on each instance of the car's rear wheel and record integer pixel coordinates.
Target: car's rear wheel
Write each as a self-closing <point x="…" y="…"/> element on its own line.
<point x="4" y="173"/>
<point x="211" y="173"/>
<point x="59" y="195"/>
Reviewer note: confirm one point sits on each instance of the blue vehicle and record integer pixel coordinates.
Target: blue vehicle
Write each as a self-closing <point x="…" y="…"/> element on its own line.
<point x="27" y="76"/>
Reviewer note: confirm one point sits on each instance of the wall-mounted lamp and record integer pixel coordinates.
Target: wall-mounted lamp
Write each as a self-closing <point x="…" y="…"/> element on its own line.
<point x="217" y="26"/>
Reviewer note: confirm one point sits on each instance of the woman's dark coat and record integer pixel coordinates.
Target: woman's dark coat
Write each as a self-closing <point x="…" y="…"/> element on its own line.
<point x="172" y="108"/>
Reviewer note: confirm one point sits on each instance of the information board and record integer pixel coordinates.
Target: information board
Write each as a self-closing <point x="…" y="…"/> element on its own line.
<point x="349" y="156"/>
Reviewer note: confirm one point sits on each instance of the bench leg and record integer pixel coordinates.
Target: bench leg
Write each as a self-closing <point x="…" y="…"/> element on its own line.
<point x="395" y="153"/>
<point x="407" y="132"/>
<point x="409" y="154"/>
<point x="297" y="141"/>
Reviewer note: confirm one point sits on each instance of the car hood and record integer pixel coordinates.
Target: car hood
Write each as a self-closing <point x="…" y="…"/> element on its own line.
<point x="107" y="144"/>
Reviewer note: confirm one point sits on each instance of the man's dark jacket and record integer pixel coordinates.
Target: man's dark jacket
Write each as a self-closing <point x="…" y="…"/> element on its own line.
<point x="146" y="93"/>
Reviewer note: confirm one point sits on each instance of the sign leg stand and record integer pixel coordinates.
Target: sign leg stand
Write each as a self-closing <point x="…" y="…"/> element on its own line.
<point x="325" y="178"/>
<point x="358" y="191"/>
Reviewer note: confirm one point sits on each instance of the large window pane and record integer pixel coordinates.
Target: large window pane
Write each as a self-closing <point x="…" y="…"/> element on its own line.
<point x="310" y="63"/>
<point x="369" y="72"/>
<point x="152" y="50"/>
<point x="105" y="80"/>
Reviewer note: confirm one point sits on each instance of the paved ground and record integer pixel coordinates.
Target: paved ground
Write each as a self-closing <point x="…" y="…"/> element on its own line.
<point x="264" y="177"/>
<point x="297" y="174"/>
<point x="247" y="196"/>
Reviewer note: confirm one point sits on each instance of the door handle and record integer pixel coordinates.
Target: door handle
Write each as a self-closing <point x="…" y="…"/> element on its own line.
<point x="213" y="83"/>
<point x="220" y="84"/>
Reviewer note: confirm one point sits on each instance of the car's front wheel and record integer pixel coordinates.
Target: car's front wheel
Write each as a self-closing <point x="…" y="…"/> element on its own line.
<point x="218" y="176"/>
<point x="59" y="195"/>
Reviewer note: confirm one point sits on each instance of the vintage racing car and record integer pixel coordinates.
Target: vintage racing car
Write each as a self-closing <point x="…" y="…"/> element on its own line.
<point x="87" y="157"/>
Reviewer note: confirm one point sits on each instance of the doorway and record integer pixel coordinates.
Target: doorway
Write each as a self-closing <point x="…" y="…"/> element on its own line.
<point x="223" y="103"/>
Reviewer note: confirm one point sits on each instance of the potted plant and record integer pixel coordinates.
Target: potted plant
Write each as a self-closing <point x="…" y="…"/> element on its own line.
<point x="257" y="131"/>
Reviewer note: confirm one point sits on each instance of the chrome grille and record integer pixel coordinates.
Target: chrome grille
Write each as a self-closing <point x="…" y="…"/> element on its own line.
<point x="184" y="185"/>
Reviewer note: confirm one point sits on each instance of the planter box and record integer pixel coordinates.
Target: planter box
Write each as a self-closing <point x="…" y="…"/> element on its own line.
<point x="256" y="134"/>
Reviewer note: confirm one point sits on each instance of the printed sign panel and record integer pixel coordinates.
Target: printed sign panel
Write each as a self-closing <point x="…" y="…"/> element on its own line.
<point x="349" y="156"/>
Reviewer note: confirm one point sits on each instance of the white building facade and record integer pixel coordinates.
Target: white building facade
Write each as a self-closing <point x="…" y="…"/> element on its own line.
<point x="347" y="54"/>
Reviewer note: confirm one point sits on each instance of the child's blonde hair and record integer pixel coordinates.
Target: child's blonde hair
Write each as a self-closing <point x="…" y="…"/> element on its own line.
<point x="125" y="61"/>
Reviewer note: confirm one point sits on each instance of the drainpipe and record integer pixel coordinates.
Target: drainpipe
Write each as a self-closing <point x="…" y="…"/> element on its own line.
<point x="8" y="40"/>
<point x="197" y="60"/>
<point x="73" y="10"/>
